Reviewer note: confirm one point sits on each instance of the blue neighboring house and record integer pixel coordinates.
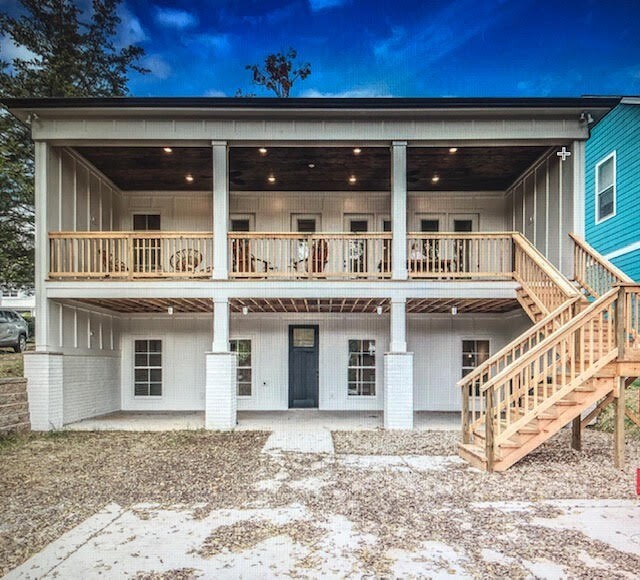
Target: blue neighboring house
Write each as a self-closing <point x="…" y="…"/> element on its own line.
<point x="612" y="188"/>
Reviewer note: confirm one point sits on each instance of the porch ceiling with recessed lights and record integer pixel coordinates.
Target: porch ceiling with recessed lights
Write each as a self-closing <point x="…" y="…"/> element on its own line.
<point x="320" y="169"/>
<point x="303" y="305"/>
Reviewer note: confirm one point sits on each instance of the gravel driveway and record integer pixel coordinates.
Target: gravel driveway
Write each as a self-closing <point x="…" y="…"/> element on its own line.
<point x="292" y="514"/>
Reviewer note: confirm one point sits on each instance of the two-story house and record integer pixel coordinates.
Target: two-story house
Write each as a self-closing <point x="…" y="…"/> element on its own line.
<point x="337" y="254"/>
<point x="613" y="187"/>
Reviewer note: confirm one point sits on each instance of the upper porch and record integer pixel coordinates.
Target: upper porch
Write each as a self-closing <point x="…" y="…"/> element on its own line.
<point x="309" y="212"/>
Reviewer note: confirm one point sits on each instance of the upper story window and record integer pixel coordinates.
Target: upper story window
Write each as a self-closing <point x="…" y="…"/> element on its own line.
<point x="606" y="188"/>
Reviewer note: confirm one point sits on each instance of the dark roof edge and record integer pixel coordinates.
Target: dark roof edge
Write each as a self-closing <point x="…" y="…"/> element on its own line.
<point x="313" y="103"/>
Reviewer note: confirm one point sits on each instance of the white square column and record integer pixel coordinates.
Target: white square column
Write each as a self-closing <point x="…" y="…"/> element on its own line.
<point x="220" y="210"/>
<point x="221" y="403"/>
<point x="399" y="210"/>
<point x="43" y="371"/>
<point x="398" y="373"/>
<point x="42" y="245"/>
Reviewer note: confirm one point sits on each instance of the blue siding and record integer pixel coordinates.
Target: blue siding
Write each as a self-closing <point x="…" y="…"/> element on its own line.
<point x="619" y="131"/>
<point x="629" y="264"/>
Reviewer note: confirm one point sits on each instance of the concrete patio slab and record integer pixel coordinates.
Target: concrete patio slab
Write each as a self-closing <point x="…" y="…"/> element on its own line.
<point x="147" y="538"/>
<point x="309" y="440"/>
<point x="261" y="420"/>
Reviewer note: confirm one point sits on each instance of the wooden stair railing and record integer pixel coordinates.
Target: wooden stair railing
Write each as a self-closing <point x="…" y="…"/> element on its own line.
<point x="542" y="378"/>
<point x="473" y="382"/>
<point x="539" y="278"/>
<point x="595" y="274"/>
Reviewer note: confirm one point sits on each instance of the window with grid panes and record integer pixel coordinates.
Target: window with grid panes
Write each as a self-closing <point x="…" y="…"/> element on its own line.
<point x="474" y="353"/>
<point x="242" y="346"/>
<point x="147" y="368"/>
<point x="362" y="368"/>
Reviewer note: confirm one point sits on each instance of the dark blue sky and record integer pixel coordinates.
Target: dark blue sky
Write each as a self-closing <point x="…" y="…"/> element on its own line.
<point x="391" y="47"/>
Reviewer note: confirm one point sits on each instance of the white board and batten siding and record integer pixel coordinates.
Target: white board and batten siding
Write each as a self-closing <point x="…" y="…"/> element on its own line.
<point x="79" y="197"/>
<point x="276" y="211"/>
<point x="90" y="343"/>
<point x="436" y="341"/>
<point x="540" y="205"/>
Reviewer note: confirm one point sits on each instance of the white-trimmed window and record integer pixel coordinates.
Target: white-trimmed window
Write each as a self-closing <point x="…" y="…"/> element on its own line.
<point x="362" y="367"/>
<point x="474" y="353"/>
<point x="242" y="346"/>
<point x="606" y="188"/>
<point x="147" y="368"/>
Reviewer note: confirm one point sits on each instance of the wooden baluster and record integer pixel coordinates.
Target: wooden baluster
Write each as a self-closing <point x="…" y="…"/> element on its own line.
<point x="489" y="429"/>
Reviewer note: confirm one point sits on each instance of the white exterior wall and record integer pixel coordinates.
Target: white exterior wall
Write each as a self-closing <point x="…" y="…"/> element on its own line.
<point x="435" y="340"/>
<point x="89" y="342"/>
<point x="185" y="340"/>
<point x="275" y="211"/>
<point x="540" y="205"/>
<point x="79" y="197"/>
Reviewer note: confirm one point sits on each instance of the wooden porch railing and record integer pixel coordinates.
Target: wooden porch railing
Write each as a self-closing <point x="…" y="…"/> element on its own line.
<point x="486" y="255"/>
<point x="539" y="277"/>
<point x="320" y="255"/>
<point x="594" y="273"/>
<point x="130" y="254"/>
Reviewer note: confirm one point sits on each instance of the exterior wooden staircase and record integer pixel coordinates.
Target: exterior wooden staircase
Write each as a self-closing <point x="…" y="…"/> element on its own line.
<point x="582" y="348"/>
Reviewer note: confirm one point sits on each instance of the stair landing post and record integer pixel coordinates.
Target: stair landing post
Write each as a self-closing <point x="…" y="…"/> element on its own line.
<point x="576" y="433"/>
<point x="618" y="436"/>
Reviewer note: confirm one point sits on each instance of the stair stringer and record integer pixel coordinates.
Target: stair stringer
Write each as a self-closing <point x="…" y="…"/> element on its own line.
<point x="549" y="427"/>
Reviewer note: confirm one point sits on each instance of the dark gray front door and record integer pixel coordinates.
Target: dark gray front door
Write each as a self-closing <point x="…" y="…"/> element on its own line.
<point x="303" y="366"/>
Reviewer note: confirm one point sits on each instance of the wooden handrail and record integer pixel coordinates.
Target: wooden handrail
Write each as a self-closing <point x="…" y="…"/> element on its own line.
<point x="548" y="268"/>
<point x="565" y="310"/>
<point x="593" y="271"/>
<point x="154" y="234"/>
<point x="313" y="236"/>
<point x="552" y="369"/>
<point x="574" y="323"/>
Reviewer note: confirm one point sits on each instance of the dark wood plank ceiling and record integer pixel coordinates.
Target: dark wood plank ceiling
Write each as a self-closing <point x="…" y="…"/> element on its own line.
<point x="468" y="169"/>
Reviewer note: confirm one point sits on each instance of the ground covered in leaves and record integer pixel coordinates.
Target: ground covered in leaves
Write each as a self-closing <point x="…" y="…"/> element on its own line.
<point x="11" y="364"/>
<point x="50" y="483"/>
<point x="396" y="442"/>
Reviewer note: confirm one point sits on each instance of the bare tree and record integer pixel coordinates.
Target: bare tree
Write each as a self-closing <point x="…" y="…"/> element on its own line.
<point x="279" y="73"/>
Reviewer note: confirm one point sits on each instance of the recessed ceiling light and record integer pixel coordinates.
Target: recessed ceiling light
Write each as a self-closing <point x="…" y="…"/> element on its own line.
<point x="435" y="179"/>
<point x="357" y="151"/>
<point x="189" y="178"/>
<point x="453" y="149"/>
<point x="167" y="149"/>
<point x="263" y="150"/>
<point x="352" y="179"/>
<point x="271" y="179"/>
<point x="311" y="165"/>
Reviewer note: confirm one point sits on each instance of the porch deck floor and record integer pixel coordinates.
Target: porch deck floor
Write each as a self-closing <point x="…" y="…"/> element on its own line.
<point x="297" y="419"/>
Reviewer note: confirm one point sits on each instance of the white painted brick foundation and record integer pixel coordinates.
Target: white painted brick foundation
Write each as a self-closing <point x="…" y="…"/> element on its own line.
<point x="398" y="390"/>
<point x="221" y="403"/>
<point x="43" y="371"/>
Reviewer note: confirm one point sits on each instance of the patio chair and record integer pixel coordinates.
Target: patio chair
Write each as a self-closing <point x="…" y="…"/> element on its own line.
<point x="185" y="260"/>
<point x="110" y="264"/>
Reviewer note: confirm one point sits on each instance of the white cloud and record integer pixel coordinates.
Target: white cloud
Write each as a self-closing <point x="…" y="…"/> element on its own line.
<point x="317" y="5"/>
<point x="130" y="30"/>
<point x="175" y="18"/>
<point x="159" y="67"/>
<point x="9" y="50"/>
<point x="353" y="93"/>
<point x="215" y="93"/>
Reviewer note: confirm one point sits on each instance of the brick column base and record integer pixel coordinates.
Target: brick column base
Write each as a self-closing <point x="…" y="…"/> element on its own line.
<point x="398" y="390"/>
<point x="221" y="403"/>
<point x="43" y="371"/>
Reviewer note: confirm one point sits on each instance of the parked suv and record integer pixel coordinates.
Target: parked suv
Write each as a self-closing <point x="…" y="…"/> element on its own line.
<point x="14" y="330"/>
